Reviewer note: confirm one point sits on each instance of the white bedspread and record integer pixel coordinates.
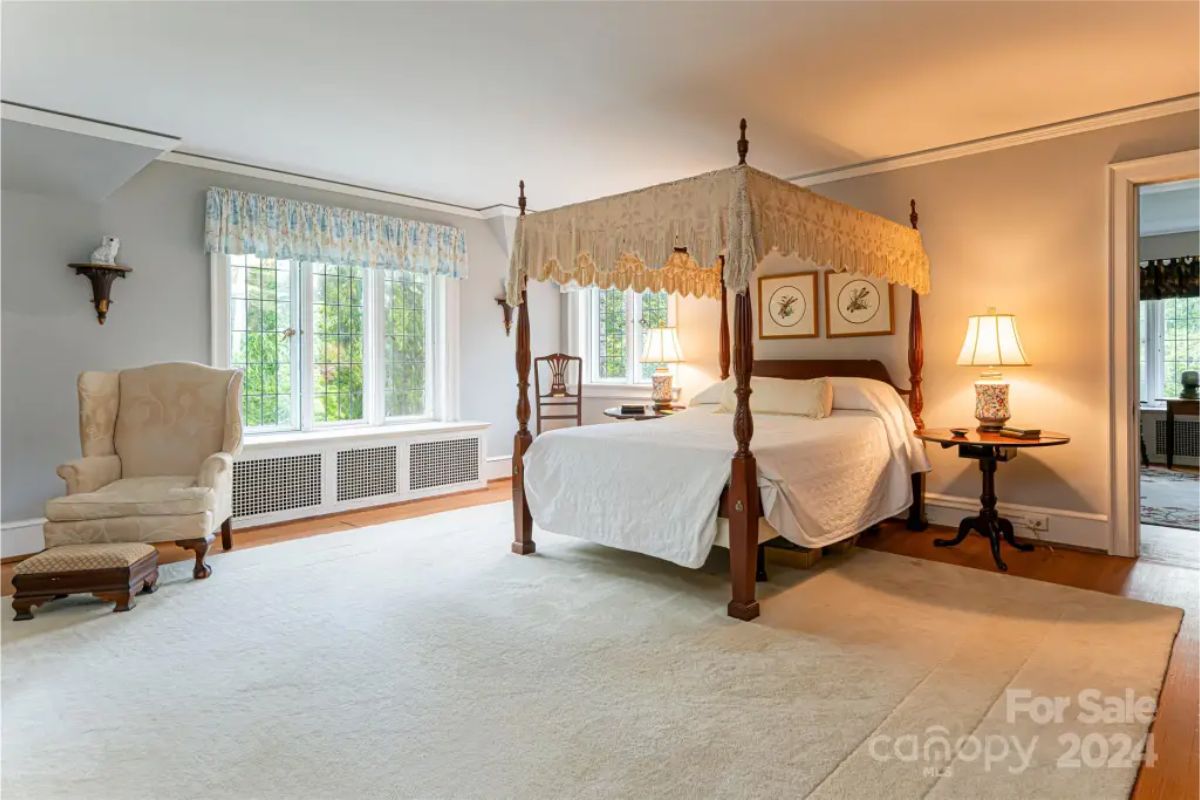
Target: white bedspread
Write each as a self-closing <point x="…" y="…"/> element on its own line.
<point x="653" y="487"/>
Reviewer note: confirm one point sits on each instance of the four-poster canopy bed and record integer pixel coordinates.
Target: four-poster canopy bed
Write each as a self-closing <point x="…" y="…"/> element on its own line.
<point x="704" y="236"/>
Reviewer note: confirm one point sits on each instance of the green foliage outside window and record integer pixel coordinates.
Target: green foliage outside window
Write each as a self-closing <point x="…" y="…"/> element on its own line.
<point x="265" y="341"/>
<point x="337" y="343"/>
<point x="260" y="343"/>
<point x="611" y="354"/>
<point x="406" y="305"/>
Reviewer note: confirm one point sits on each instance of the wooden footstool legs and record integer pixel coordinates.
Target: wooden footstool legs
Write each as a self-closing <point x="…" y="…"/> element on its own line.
<point x="111" y="572"/>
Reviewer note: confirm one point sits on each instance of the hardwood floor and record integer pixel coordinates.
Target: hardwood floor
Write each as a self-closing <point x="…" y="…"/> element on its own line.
<point x="1174" y="776"/>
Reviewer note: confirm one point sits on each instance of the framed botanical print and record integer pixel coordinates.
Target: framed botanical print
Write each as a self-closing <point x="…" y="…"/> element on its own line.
<point x="857" y="305"/>
<point x="787" y="306"/>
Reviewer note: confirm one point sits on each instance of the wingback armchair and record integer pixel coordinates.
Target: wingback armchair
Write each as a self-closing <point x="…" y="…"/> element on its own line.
<point x="158" y="445"/>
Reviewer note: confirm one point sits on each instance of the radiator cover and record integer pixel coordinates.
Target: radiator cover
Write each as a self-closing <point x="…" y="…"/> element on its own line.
<point x="293" y="480"/>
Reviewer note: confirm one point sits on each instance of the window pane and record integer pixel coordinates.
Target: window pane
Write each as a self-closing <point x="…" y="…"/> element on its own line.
<point x="337" y="307"/>
<point x="654" y="315"/>
<point x="611" y="361"/>
<point x="260" y="344"/>
<point x="406" y="357"/>
<point x="1181" y="341"/>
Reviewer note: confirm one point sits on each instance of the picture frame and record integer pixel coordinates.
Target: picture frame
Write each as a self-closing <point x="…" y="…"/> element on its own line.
<point x="858" y="305"/>
<point x="787" y="306"/>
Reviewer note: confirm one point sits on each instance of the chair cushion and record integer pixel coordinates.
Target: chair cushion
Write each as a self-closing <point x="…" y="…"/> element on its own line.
<point x="166" y="495"/>
<point x="80" y="557"/>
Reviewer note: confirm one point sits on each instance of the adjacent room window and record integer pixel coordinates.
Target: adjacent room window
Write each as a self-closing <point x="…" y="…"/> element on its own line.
<point x="1170" y="344"/>
<point x="323" y="345"/>
<point x="612" y="323"/>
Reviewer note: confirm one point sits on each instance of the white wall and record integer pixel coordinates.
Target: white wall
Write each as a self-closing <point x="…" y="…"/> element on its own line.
<point x="1023" y="229"/>
<point x="161" y="312"/>
<point x="1169" y="245"/>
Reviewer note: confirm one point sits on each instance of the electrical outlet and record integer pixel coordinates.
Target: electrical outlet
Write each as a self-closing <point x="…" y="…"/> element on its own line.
<point x="1034" y="522"/>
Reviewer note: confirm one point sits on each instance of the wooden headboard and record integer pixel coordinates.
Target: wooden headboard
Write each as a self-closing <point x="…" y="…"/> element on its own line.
<point x="805" y="368"/>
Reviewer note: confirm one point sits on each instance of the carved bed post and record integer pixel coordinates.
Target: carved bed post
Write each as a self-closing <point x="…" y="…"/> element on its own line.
<point x="723" y="352"/>
<point x="743" y="479"/>
<point x="916" y="399"/>
<point x="916" y="344"/>
<point x="522" y="520"/>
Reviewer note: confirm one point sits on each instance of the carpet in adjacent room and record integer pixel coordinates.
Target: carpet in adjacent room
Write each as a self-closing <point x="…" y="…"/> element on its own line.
<point x="1170" y="498"/>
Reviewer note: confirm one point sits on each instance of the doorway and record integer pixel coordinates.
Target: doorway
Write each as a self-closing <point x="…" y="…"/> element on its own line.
<point x="1168" y="279"/>
<point x="1126" y="181"/>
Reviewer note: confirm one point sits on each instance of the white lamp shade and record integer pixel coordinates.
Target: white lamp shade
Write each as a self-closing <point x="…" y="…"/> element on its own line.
<point x="662" y="346"/>
<point x="992" y="341"/>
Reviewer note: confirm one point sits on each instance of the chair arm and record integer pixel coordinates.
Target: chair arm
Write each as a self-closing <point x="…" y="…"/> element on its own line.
<point x="216" y="473"/>
<point x="89" y="473"/>
<point x="216" y="470"/>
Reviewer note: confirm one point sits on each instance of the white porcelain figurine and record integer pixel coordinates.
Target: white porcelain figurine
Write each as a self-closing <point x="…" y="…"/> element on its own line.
<point x="106" y="253"/>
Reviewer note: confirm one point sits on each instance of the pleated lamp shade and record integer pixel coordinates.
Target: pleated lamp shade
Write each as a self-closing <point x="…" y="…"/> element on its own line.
<point x="992" y="341"/>
<point x="662" y="347"/>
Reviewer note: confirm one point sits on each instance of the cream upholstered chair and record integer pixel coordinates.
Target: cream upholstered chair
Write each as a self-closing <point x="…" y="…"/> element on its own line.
<point x="158" y="445"/>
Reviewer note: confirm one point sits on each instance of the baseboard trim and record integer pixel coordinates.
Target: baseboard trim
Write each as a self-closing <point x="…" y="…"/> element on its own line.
<point x="1074" y="528"/>
<point x="497" y="467"/>
<point x="21" y="537"/>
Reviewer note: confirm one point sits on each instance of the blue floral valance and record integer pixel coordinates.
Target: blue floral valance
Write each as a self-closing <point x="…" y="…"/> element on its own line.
<point x="241" y="223"/>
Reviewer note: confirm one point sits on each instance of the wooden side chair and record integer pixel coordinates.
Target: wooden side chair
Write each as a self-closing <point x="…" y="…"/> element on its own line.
<point x="559" y="396"/>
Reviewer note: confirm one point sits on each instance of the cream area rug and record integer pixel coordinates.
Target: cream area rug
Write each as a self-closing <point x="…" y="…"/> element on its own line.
<point x="420" y="659"/>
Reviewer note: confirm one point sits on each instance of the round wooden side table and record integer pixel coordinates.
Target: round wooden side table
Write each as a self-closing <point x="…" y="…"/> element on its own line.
<point x="988" y="449"/>
<point x="650" y="412"/>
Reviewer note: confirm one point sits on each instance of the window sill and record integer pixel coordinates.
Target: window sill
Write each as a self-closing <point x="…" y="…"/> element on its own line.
<point x="263" y="441"/>
<point x="622" y="391"/>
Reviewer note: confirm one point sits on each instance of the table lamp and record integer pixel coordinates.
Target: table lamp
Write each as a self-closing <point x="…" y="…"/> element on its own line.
<point x="992" y="342"/>
<point x="662" y="348"/>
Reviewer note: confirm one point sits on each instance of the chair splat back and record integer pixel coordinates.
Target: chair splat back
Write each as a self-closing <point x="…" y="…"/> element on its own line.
<point x="558" y="395"/>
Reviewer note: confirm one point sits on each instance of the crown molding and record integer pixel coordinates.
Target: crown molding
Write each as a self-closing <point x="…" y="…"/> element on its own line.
<point x="296" y="179"/>
<point x="1107" y="119"/>
<point x="86" y="126"/>
<point x="499" y="210"/>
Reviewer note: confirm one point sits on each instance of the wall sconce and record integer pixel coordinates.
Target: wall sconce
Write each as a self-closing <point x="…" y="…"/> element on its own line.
<point x="102" y="277"/>
<point x="507" y="309"/>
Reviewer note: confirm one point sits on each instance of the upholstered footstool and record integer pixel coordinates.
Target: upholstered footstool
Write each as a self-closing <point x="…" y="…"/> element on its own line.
<point x="111" y="571"/>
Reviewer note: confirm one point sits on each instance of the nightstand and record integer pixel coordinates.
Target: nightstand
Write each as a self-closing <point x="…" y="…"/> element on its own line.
<point x="988" y="449"/>
<point x="650" y="412"/>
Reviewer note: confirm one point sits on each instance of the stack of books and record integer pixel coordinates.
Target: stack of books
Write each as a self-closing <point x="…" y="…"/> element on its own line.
<point x="1020" y="433"/>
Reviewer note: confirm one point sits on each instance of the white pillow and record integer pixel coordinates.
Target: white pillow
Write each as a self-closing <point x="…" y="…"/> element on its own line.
<point x="813" y="398"/>
<point x="861" y="394"/>
<point x="712" y="395"/>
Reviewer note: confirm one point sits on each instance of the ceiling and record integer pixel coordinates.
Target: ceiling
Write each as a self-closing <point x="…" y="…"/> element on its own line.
<point x="1165" y="208"/>
<point x="455" y="101"/>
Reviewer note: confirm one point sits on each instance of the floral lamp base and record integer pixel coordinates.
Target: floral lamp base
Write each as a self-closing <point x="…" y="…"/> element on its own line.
<point x="991" y="405"/>
<point x="660" y="392"/>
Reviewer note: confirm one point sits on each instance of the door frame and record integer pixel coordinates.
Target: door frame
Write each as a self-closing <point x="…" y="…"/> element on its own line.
<point x="1124" y="178"/>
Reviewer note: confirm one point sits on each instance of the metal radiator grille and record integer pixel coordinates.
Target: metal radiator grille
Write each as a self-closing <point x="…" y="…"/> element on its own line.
<point x="366" y="473"/>
<point x="265" y="485"/>
<point x="443" y="463"/>
<point x="1187" y="437"/>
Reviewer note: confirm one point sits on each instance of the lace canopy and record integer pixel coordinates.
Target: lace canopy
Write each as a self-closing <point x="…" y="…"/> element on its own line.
<point x="671" y="237"/>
